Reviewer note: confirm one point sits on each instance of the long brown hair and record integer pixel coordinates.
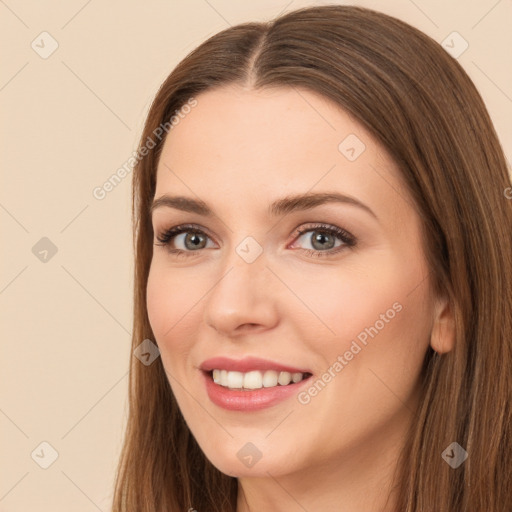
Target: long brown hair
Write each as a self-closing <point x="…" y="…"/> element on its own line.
<point x="418" y="102"/>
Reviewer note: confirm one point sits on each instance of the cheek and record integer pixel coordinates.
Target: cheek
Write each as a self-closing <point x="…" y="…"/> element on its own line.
<point x="170" y="305"/>
<point x="159" y="303"/>
<point x="380" y="304"/>
<point x="340" y="303"/>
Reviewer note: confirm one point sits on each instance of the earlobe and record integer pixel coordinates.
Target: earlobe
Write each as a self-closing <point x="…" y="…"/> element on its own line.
<point x="442" y="338"/>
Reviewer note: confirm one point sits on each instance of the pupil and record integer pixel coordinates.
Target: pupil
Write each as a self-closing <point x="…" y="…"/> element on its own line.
<point x="195" y="239"/>
<point x="321" y="238"/>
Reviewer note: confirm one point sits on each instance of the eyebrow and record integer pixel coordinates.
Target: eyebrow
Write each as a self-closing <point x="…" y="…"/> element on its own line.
<point x="279" y="207"/>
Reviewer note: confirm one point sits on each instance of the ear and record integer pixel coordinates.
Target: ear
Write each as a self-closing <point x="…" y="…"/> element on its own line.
<point x="442" y="337"/>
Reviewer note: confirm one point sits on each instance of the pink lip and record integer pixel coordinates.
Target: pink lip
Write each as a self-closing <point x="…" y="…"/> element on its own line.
<point x="246" y="365"/>
<point x="247" y="401"/>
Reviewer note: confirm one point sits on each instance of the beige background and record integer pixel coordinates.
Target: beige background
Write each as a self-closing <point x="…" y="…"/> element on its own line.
<point x="68" y="123"/>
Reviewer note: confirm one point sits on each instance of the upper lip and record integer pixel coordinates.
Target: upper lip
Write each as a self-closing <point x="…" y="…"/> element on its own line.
<point x="247" y="364"/>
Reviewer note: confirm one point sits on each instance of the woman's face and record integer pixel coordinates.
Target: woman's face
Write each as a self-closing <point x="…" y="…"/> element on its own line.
<point x="335" y="288"/>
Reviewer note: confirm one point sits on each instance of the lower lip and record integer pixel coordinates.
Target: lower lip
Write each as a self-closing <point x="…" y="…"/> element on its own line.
<point x="238" y="400"/>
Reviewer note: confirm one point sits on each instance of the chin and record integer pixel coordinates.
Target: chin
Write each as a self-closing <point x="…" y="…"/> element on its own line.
<point x="246" y="461"/>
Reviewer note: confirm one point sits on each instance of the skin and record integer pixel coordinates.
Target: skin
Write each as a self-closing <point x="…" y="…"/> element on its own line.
<point x="238" y="150"/>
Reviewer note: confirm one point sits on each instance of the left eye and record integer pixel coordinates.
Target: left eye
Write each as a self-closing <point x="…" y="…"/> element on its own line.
<point x="322" y="239"/>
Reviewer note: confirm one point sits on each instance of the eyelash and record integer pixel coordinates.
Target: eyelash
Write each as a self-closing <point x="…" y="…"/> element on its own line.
<point x="348" y="239"/>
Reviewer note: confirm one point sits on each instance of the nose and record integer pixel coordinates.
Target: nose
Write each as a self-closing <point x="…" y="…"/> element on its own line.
<point x="243" y="298"/>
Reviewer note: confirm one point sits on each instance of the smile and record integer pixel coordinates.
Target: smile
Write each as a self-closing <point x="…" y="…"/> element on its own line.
<point x="251" y="383"/>
<point x="255" y="379"/>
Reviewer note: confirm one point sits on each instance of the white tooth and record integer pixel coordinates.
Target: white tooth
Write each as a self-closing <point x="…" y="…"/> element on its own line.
<point x="235" y="380"/>
<point x="253" y="380"/>
<point x="297" y="377"/>
<point x="284" y="378"/>
<point x="270" y="379"/>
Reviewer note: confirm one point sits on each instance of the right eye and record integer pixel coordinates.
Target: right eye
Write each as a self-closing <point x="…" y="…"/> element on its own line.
<point x="190" y="237"/>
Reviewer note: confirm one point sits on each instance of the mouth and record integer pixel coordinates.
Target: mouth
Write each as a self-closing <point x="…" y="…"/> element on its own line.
<point x="255" y="379"/>
<point x="251" y="384"/>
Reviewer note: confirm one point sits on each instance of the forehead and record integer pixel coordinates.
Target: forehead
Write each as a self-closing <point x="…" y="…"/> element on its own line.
<point x="252" y="130"/>
<point x="237" y="141"/>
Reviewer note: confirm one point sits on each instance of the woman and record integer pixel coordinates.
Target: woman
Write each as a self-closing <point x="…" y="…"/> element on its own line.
<point x="324" y="260"/>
